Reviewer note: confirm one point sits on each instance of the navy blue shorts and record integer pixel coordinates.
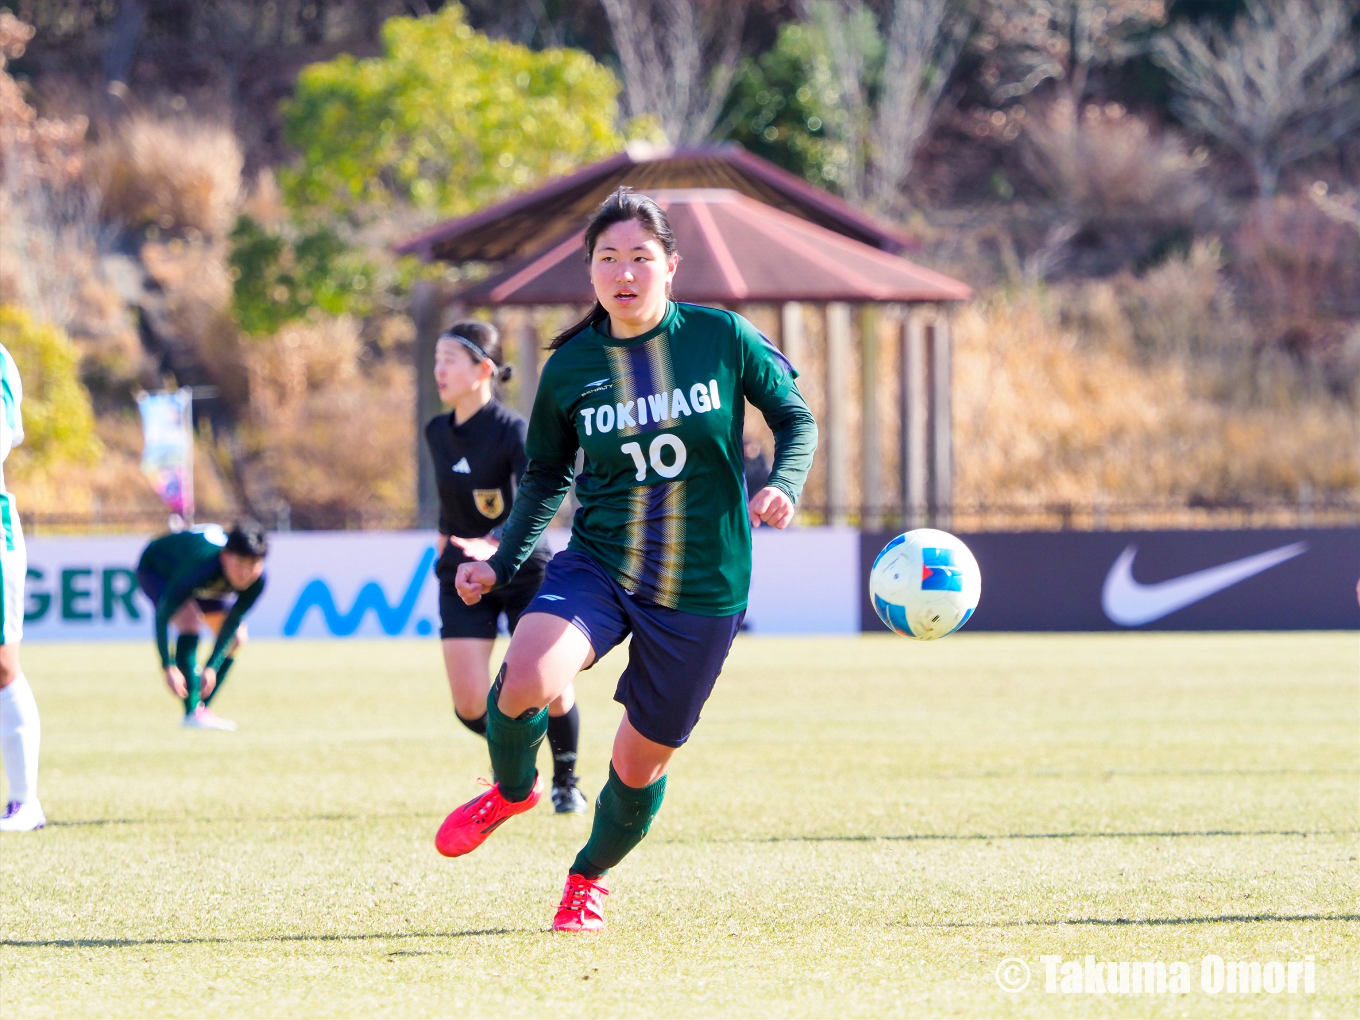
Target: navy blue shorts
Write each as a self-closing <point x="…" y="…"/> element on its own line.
<point x="673" y="661"/>
<point x="457" y="619"/>
<point x="154" y="587"/>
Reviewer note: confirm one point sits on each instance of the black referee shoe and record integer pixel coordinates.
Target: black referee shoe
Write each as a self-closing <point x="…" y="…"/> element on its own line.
<point x="568" y="799"/>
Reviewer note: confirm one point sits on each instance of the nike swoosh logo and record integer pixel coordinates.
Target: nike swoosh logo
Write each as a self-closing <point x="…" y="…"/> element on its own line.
<point x="1130" y="604"/>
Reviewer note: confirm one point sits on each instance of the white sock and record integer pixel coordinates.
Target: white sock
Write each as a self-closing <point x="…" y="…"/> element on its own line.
<point x="20" y="734"/>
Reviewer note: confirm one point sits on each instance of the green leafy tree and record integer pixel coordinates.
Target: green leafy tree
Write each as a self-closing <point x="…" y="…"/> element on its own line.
<point x="780" y="107"/>
<point x="446" y="119"/>
<point x="58" y="419"/>
<point x="281" y="276"/>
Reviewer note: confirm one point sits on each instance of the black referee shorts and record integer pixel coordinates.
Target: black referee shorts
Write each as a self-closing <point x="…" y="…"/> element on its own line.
<point x="457" y="619"/>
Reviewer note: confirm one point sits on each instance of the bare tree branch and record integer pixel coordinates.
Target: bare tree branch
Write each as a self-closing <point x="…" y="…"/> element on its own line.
<point x="1280" y="85"/>
<point x="923" y="43"/>
<point x="1029" y="42"/>
<point x="847" y="27"/>
<point x="891" y="82"/>
<point x="679" y="58"/>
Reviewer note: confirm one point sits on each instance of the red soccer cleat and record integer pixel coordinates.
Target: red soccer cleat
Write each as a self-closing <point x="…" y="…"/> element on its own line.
<point x="467" y="827"/>
<point x="582" y="907"/>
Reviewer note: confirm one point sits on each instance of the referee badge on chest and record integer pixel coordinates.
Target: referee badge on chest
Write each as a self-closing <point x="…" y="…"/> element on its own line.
<point x="489" y="501"/>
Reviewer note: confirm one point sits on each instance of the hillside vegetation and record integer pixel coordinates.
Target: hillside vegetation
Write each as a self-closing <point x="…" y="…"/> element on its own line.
<point x="1166" y="311"/>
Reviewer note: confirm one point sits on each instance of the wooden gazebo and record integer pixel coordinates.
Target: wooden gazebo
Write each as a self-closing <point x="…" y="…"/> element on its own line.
<point x="740" y="251"/>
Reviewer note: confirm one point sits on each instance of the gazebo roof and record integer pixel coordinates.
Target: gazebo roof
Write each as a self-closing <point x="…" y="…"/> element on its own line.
<point x="519" y="225"/>
<point x="733" y="249"/>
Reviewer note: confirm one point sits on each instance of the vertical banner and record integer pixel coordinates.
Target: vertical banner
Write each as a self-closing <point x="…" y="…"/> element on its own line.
<point x="168" y="450"/>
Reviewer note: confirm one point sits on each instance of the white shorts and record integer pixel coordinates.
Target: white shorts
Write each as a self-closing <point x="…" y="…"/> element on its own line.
<point x="13" y="571"/>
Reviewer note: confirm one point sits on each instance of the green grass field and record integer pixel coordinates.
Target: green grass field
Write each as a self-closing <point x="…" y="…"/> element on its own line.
<point x="860" y="827"/>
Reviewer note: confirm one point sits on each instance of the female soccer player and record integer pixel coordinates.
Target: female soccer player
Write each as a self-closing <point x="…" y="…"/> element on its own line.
<point x="188" y="576"/>
<point x="20" y="728"/>
<point x="478" y="453"/>
<point x="655" y="393"/>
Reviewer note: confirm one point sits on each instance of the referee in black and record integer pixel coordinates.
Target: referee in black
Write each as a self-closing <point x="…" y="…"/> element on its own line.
<point x="478" y="453"/>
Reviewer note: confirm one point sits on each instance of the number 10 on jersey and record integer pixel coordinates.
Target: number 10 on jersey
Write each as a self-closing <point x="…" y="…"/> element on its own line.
<point x="654" y="454"/>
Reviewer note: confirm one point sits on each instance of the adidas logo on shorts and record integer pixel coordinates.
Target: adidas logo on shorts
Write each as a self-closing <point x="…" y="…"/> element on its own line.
<point x="462" y="467"/>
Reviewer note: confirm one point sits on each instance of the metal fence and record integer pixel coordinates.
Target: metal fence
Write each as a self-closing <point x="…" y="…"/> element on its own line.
<point x="968" y="517"/>
<point x="1106" y="516"/>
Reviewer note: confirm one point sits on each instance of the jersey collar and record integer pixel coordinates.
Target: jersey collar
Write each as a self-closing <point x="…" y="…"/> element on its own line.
<point x="664" y="326"/>
<point x="459" y="426"/>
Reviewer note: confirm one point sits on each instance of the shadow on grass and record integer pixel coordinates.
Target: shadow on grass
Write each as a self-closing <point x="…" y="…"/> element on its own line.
<point x="219" y="941"/>
<point x="1119" y="921"/>
<point x="241" y="819"/>
<point x="972" y="837"/>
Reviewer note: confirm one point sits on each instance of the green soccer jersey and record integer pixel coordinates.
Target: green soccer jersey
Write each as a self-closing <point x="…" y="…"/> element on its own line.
<point x="11" y="418"/>
<point x="189" y="566"/>
<point x="660" y="417"/>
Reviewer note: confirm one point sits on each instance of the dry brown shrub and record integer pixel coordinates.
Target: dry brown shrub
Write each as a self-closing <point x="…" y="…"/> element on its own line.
<point x="1301" y="274"/>
<point x="191" y="312"/>
<point x="1109" y="163"/>
<point x="337" y="436"/>
<point x="113" y="362"/>
<point x="174" y="173"/>
<point x="114" y="485"/>
<point x="265" y="204"/>
<point x="47" y="223"/>
<point x="1182" y="307"/>
<point x="1043" y="417"/>
<point x="301" y="358"/>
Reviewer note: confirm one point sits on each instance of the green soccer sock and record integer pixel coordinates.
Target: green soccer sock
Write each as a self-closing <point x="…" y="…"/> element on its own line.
<point x="514" y="745"/>
<point x="186" y="658"/>
<point x="623" y="814"/>
<point x="221" y="679"/>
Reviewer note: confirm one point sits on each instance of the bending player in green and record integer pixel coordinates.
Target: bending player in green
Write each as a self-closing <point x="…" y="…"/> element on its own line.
<point x="189" y="576"/>
<point x="655" y="393"/>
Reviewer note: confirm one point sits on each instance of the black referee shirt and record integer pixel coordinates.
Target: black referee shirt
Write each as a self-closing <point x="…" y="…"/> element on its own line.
<point x="477" y="468"/>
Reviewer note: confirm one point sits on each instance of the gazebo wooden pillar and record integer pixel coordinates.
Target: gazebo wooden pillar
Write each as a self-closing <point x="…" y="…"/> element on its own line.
<point x="925" y="417"/>
<point x="429" y="311"/>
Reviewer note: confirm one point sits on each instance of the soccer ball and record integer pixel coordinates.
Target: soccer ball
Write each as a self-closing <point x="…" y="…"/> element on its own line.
<point x="925" y="584"/>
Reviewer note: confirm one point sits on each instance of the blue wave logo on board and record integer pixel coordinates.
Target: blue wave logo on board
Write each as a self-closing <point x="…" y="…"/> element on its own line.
<point x="392" y="619"/>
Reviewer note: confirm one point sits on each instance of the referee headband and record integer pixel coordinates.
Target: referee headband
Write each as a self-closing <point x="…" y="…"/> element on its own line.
<point x="477" y="353"/>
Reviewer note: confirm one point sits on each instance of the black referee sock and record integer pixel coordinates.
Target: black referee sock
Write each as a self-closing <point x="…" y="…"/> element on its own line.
<point x="564" y="733"/>
<point x="478" y="725"/>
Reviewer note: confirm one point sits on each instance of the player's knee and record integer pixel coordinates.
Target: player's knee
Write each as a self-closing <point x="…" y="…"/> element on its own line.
<point x="640" y="768"/>
<point x="524" y="684"/>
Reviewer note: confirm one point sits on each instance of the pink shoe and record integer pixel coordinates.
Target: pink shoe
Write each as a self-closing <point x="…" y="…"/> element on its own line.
<point x="204" y="718"/>
<point x="582" y="906"/>
<point x="468" y="826"/>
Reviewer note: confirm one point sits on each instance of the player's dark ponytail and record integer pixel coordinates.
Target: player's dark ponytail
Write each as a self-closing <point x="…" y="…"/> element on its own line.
<point x="487" y="338"/>
<point x="623" y="205"/>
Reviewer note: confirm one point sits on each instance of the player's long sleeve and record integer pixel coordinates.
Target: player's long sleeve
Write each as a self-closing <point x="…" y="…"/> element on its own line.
<point x="176" y="593"/>
<point x="768" y="380"/>
<point x="550" y="451"/>
<point x="540" y="494"/>
<point x="795" y="440"/>
<point x="232" y="623"/>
